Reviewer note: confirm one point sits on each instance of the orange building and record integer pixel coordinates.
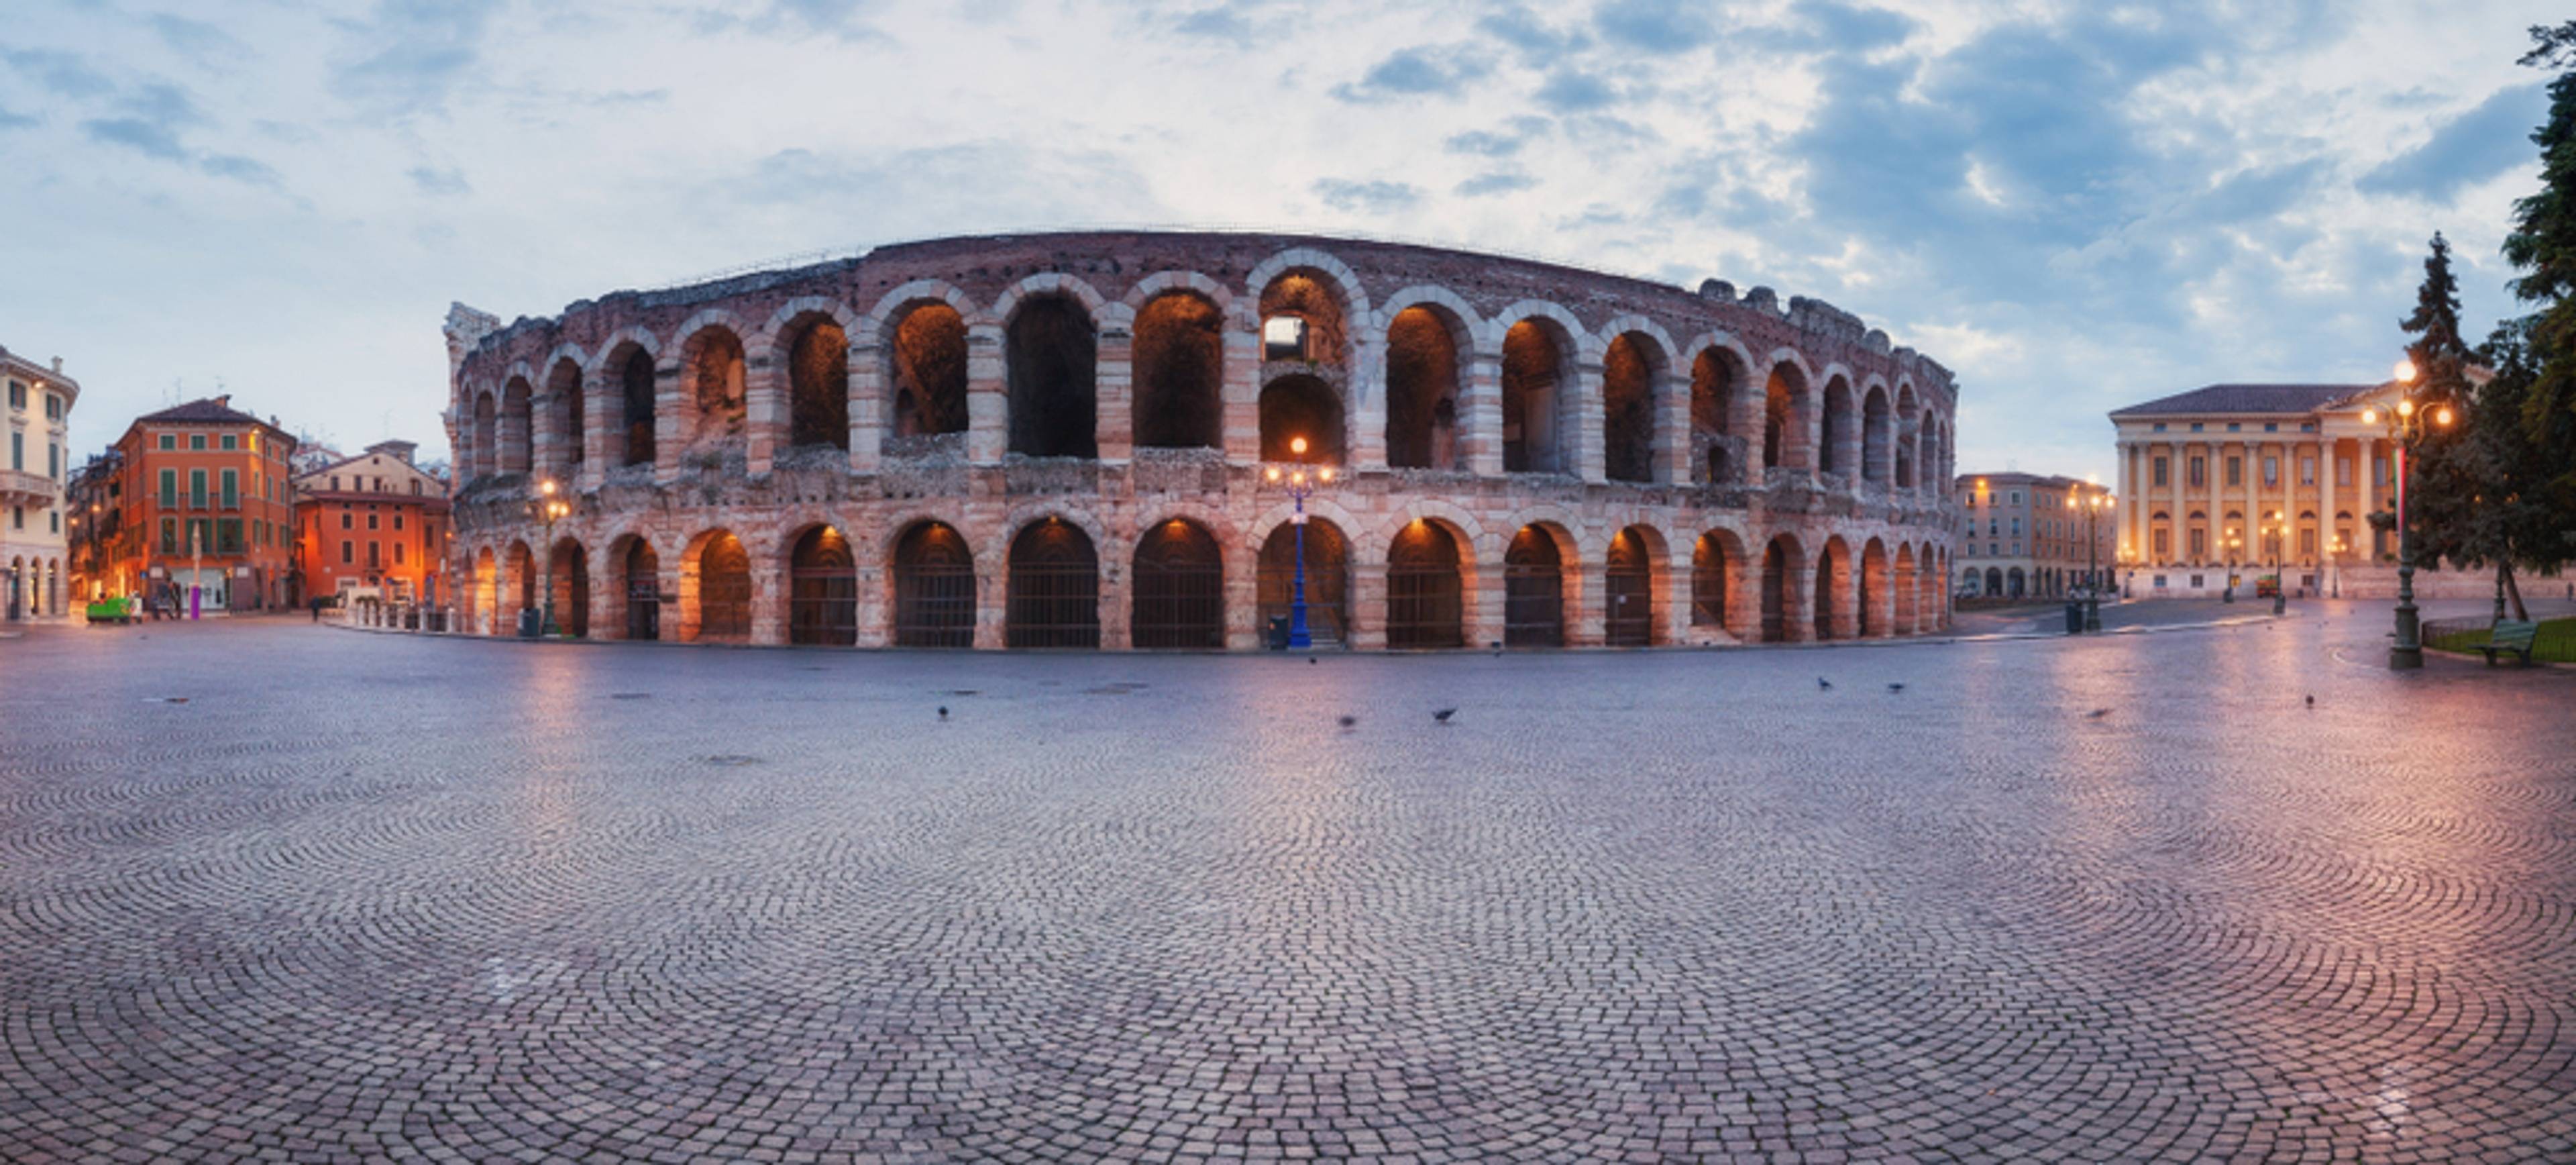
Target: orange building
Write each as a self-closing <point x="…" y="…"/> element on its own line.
<point x="374" y="524"/>
<point x="207" y="508"/>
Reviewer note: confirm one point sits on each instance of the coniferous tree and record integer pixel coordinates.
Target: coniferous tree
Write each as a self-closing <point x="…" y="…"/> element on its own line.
<point x="2543" y="246"/>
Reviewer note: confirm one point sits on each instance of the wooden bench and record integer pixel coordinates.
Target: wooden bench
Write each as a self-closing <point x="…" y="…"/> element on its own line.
<point x="2508" y="635"/>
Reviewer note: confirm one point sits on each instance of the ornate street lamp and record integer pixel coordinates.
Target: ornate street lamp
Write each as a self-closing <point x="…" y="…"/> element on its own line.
<point x="1300" y="486"/>
<point x="2407" y="425"/>
<point x="2235" y="542"/>
<point x="2276" y="529"/>
<point x="549" y="509"/>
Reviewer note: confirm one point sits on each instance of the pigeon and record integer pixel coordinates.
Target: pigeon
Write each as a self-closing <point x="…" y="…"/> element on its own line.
<point x="1444" y="714"/>
<point x="1349" y="722"/>
<point x="1824" y="684"/>
<point x="1310" y="659"/>
<point x="943" y="711"/>
<point x="1498" y="648"/>
<point x="2097" y="713"/>
<point x="1896" y="687"/>
<point x="2312" y="701"/>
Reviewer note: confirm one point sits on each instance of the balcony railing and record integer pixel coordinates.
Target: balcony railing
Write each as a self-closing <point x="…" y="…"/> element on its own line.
<point x="20" y="488"/>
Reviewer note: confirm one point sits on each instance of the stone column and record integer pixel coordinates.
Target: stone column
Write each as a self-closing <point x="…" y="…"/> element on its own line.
<point x="1241" y="390"/>
<point x="668" y="400"/>
<point x="603" y="413"/>
<point x="1368" y="600"/>
<point x="1672" y="452"/>
<point x="764" y="411"/>
<point x="1480" y="414"/>
<point x="544" y="449"/>
<point x="2364" y="452"/>
<point x="988" y="405"/>
<point x="992" y="596"/>
<point x="768" y="598"/>
<point x="1367" y="443"/>
<point x="1586" y="433"/>
<point x="867" y="405"/>
<point x="1243" y="600"/>
<point x="1587" y="607"/>
<point x="1486" y="595"/>
<point x="2330" y="563"/>
<point x="2178" y="550"/>
<point x="1113" y="426"/>
<point x="876" y="603"/>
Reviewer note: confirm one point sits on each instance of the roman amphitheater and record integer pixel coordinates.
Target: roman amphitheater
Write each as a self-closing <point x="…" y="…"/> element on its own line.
<point x="1065" y="441"/>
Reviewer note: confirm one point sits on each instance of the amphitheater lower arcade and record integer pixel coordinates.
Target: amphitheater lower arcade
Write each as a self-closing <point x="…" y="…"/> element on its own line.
<point x="1063" y="441"/>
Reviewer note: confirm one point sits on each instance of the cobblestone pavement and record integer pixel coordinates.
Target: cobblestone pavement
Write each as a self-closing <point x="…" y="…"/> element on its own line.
<point x="389" y="897"/>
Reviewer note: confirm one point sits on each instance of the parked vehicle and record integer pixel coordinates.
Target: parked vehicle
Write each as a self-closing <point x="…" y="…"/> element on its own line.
<point x="2266" y="586"/>
<point x="123" y="609"/>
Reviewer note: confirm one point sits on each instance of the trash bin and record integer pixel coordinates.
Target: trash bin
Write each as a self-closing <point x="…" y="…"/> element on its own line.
<point x="528" y="624"/>
<point x="1279" y="633"/>
<point x="2075" y="616"/>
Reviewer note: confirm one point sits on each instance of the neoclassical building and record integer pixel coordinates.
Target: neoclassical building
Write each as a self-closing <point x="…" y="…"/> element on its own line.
<point x="33" y="542"/>
<point x="2025" y="535"/>
<point x="1064" y="440"/>
<point x="2202" y="472"/>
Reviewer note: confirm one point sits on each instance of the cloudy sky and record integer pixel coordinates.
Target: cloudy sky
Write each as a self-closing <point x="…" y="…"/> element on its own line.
<point x="2076" y="205"/>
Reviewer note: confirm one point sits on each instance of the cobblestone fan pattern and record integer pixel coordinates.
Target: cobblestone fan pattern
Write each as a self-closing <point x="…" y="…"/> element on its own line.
<point x="580" y="902"/>
<point x="904" y="447"/>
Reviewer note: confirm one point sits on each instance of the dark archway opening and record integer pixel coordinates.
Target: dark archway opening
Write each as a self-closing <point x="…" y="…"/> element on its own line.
<point x="1775" y="593"/>
<point x="487" y="444"/>
<point x="1713" y="386"/>
<point x="1533" y="380"/>
<point x="571" y="413"/>
<point x="1179" y="370"/>
<point x="1821" y="615"/>
<point x="1054" y="587"/>
<point x="1838" y="436"/>
<point x="1179" y="584"/>
<point x="1421" y="391"/>
<point x="635" y="397"/>
<point x="1298" y="406"/>
<point x="823" y="590"/>
<point x="1628" y="582"/>
<point x="570" y="567"/>
<point x="1629" y="369"/>
<point x="643" y="578"/>
<point x="1708" y="582"/>
<point x="934" y="588"/>
<point x="1425" y="597"/>
<point x="1053" y="349"/>
<point x="717" y="397"/>
<point x="927" y="394"/>
<point x="818" y="383"/>
<point x="724" y="590"/>
<point x="517" y="414"/>
<point x="1328" y="579"/>
<point x="1533" y="591"/>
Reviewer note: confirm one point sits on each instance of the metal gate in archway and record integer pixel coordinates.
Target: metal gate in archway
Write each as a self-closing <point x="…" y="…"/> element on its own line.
<point x="1533" y="591"/>
<point x="643" y="592"/>
<point x="1054" y="587"/>
<point x="1179" y="586"/>
<point x="934" y="588"/>
<point x="724" y="590"/>
<point x="1628" y="592"/>
<point x="823" y="590"/>
<point x="1425" y="601"/>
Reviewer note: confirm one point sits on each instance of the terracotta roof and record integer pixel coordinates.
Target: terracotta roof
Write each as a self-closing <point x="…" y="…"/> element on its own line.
<point x="2246" y="398"/>
<point x="213" y="410"/>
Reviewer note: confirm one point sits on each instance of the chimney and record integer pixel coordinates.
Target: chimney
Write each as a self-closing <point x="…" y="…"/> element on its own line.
<point x="225" y="401"/>
<point x="58" y="365"/>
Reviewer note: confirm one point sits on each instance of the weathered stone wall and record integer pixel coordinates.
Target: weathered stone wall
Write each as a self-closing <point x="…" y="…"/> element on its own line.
<point x="1877" y="524"/>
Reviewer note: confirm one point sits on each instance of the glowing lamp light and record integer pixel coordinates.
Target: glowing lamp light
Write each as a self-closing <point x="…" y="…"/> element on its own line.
<point x="2370" y="416"/>
<point x="1297" y="445"/>
<point x="2442" y="415"/>
<point x="2405" y="371"/>
<point x="2406" y="408"/>
<point x="1325" y="474"/>
<point x="1273" y="471"/>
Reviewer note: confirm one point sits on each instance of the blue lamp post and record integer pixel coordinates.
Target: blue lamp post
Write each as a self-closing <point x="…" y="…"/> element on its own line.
<point x="1300" y="486"/>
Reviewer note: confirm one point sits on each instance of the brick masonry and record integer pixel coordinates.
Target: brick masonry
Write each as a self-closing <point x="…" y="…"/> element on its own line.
<point x="1846" y="500"/>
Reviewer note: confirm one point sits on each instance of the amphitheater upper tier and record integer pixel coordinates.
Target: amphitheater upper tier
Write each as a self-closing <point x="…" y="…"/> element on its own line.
<point x="1091" y="439"/>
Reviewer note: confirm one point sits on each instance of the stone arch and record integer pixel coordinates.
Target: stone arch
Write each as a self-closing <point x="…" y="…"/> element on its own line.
<point x="1877" y="435"/>
<point x="713" y="367"/>
<point x="921" y="363"/>
<point x="1177" y="586"/>
<point x="518" y="584"/>
<point x="821" y="564"/>
<point x="1784" y="592"/>
<point x="484" y="596"/>
<point x="1907" y="456"/>
<point x="1429" y="568"/>
<point x="1344" y="282"/>
<point x="625" y="367"/>
<point x="715" y="588"/>
<point x="1904" y="617"/>
<point x="1430" y="336"/>
<point x="1159" y="283"/>
<point x="567" y="409"/>
<point x="1636" y="581"/>
<point x="1873" y="610"/>
<point x="1789" y="414"/>
<point x="568" y="569"/>
<point x="1328" y="573"/>
<point x="1636" y="379"/>
<point x="634" y="593"/>
<point x="1051" y="352"/>
<point x="809" y="337"/>
<point x="1838" y="428"/>
<point x="1831" y="613"/>
<point x="1542" y="348"/>
<point x="517" y="437"/>
<point x="931" y="582"/>
<point x="486" y="429"/>
<point x="1179" y="370"/>
<point x="1536" y="586"/>
<point x="1718" y="590"/>
<point x="1720" y="372"/>
<point x="1052" y="593"/>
